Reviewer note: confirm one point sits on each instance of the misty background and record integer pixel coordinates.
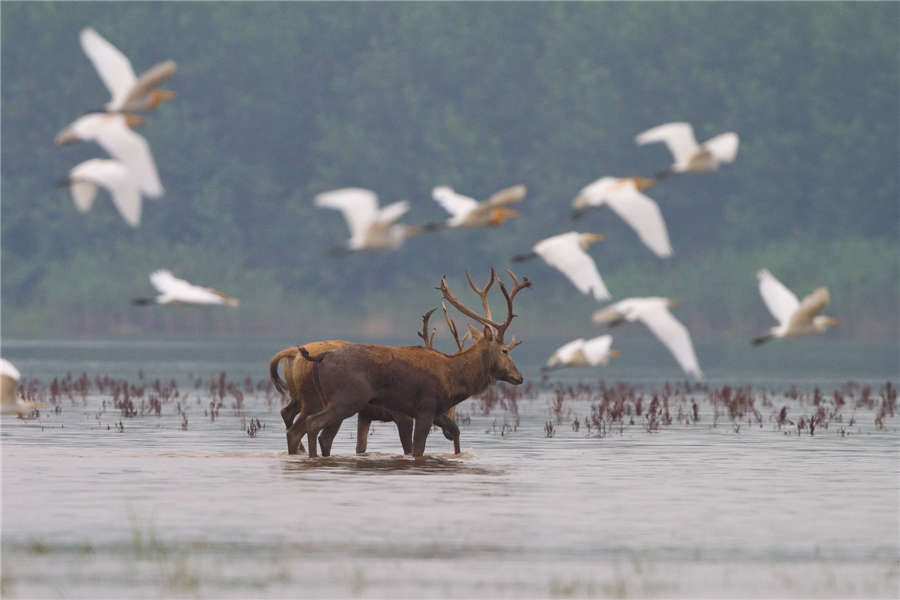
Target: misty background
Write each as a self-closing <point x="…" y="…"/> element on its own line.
<point x="280" y="101"/>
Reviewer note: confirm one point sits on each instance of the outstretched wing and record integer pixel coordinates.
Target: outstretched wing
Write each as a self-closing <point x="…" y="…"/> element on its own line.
<point x="455" y="204"/>
<point x="509" y="195"/>
<point x="782" y="302"/>
<point x="811" y="306"/>
<point x="133" y="151"/>
<point x="392" y="212"/>
<point x="679" y="137"/>
<point x="564" y="253"/>
<point x="723" y="147"/>
<point x="166" y="283"/>
<point x="672" y="334"/>
<point x="359" y="207"/>
<point x="642" y="214"/>
<point x="149" y="79"/>
<point x="112" y="66"/>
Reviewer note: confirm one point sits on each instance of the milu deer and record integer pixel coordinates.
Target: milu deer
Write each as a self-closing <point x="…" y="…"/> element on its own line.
<point x="304" y="398"/>
<point x="418" y="382"/>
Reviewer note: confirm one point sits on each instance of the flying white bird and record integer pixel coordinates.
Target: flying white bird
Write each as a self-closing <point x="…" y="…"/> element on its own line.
<point x="623" y="195"/>
<point x="469" y="213"/>
<point x="9" y="382"/>
<point x="371" y="228"/>
<point x="113" y="133"/>
<point x="582" y="353"/>
<point x="654" y="313"/>
<point x="178" y="291"/>
<point x="691" y="157"/>
<point x="128" y="91"/>
<point x="794" y="317"/>
<point x="567" y="253"/>
<point x="115" y="177"/>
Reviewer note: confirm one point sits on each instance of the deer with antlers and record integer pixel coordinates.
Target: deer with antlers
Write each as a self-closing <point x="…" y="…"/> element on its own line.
<point x="304" y="398"/>
<point x="418" y="382"/>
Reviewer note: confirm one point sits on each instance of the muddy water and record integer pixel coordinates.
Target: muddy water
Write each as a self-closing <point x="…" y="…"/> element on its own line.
<point x="202" y="509"/>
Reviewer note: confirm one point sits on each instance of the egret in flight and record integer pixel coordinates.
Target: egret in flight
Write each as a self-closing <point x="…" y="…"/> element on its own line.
<point x="654" y="313"/>
<point x="129" y="92"/>
<point x="469" y="213"/>
<point x="84" y="178"/>
<point x="567" y="253"/>
<point x="582" y="353"/>
<point x="691" y="157"/>
<point x="114" y="134"/>
<point x="371" y="227"/>
<point x="178" y="291"/>
<point x="9" y="383"/>
<point x="623" y="195"/>
<point x="794" y="317"/>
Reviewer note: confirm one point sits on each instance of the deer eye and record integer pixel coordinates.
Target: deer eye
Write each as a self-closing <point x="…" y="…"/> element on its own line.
<point x="505" y="351"/>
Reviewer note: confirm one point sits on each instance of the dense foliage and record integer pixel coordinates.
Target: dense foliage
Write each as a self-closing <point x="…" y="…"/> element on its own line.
<point x="279" y="101"/>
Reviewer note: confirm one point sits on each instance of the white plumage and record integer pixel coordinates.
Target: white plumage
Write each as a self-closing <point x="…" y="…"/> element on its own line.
<point x="174" y="290"/>
<point x="582" y="353"/>
<point x="794" y="317"/>
<point x="691" y="157"/>
<point x="9" y="382"/>
<point x="112" y="175"/>
<point x="114" y="135"/>
<point x="468" y="212"/>
<point x="127" y="90"/>
<point x="370" y="227"/>
<point x="654" y="313"/>
<point x="639" y="211"/>
<point x="566" y="252"/>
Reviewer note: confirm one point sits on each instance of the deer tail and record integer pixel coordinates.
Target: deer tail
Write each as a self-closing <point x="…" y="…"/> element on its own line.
<point x="279" y="384"/>
<point x="310" y="357"/>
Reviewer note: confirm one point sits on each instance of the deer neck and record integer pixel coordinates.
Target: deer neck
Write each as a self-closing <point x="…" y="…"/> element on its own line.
<point x="468" y="372"/>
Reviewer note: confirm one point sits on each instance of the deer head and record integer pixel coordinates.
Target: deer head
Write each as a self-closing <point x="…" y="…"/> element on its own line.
<point x="491" y="343"/>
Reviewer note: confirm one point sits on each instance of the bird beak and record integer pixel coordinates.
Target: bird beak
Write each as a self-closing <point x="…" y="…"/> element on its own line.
<point x="512" y="213"/>
<point x="595" y="237"/>
<point x="615" y="353"/>
<point x="834" y="321"/>
<point x="672" y="303"/>
<point x="133" y="120"/>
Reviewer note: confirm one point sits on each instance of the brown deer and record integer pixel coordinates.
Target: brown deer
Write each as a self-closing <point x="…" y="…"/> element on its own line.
<point x="418" y="382"/>
<point x="304" y="398"/>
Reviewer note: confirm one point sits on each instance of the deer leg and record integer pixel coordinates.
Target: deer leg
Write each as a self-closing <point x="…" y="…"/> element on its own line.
<point x="363" y="421"/>
<point x="327" y="437"/>
<point x="424" y="421"/>
<point x="339" y="409"/>
<point x="450" y="429"/>
<point x="405" y="429"/>
<point x="295" y="435"/>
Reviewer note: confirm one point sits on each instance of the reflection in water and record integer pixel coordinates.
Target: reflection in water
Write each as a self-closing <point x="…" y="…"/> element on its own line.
<point x="375" y="462"/>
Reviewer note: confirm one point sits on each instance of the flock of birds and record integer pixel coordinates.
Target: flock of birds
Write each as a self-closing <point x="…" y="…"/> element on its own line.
<point x="131" y="173"/>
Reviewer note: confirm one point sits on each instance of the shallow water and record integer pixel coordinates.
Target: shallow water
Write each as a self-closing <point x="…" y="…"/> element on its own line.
<point x="205" y="510"/>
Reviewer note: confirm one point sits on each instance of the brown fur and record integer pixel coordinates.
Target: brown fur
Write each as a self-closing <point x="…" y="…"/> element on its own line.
<point x="415" y="381"/>
<point x="305" y="399"/>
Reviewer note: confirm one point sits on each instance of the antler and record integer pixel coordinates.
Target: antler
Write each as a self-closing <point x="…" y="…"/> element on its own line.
<point x="452" y="326"/>
<point x="500" y="328"/>
<point x="483" y="292"/>
<point x="517" y="287"/>
<point x="429" y="341"/>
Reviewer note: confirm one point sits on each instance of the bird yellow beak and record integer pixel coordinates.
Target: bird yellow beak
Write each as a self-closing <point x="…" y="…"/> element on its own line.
<point x="834" y="321"/>
<point x="672" y="303"/>
<point x="615" y="353"/>
<point x="595" y="237"/>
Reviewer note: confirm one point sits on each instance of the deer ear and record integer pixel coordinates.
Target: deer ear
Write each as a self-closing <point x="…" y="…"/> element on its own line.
<point x="488" y="333"/>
